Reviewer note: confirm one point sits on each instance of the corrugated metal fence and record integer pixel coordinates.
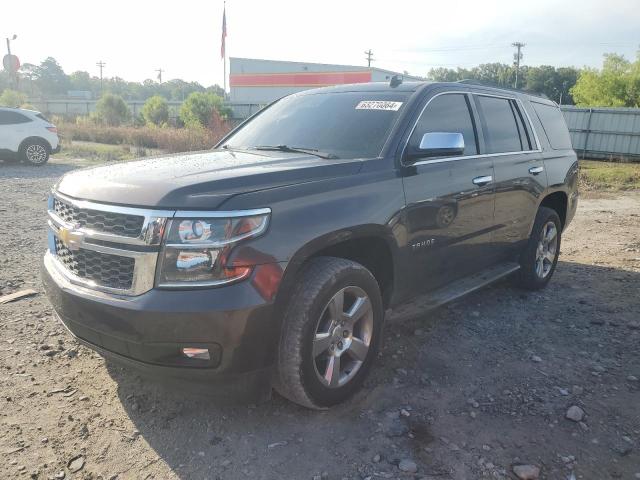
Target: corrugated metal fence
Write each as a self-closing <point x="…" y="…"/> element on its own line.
<point x="604" y="133"/>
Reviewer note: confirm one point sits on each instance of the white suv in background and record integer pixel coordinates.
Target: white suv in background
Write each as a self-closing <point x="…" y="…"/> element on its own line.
<point x="26" y="135"/>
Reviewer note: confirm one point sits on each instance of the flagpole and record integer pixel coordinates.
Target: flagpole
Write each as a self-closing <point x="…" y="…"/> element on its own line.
<point x="225" y="49"/>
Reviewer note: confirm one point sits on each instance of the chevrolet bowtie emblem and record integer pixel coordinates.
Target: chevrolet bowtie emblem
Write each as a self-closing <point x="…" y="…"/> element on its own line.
<point x="71" y="238"/>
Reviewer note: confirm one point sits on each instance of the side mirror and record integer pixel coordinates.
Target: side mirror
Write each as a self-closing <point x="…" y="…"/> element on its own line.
<point x="437" y="144"/>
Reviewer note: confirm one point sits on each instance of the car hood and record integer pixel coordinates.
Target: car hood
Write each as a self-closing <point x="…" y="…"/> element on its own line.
<point x="198" y="180"/>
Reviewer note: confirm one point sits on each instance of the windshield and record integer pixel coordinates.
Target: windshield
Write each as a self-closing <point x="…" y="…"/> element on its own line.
<point x="342" y="125"/>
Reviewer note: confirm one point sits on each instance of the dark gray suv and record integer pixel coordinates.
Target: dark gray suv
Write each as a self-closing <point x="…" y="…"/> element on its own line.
<point x="270" y="261"/>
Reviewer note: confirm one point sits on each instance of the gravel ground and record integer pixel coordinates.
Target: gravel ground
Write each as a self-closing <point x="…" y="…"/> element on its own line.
<point x="479" y="389"/>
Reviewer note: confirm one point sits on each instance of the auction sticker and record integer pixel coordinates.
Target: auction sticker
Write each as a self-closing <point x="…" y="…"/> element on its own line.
<point x="378" y="105"/>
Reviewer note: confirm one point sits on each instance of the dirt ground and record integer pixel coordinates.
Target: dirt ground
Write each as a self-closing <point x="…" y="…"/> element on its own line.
<point x="465" y="392"/>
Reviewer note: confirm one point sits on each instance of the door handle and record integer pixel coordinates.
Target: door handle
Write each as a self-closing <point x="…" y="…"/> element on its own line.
<point x="481" y="181"/>
<point x="536" y="170"/>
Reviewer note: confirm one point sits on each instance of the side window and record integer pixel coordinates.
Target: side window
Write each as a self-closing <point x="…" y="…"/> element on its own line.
<point x="500" y="129"/>
<point x="11" y="118"/>
<point x="554" y="125"/>
<point x="449" y="113"/>
<point x="525" y="136"/>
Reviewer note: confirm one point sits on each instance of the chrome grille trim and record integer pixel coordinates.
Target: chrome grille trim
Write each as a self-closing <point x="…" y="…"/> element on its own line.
<point x="104" y="269"/>
<point x="148" y="242"/>
<point x="150" y="236"/>
<point x="150" y="233"/>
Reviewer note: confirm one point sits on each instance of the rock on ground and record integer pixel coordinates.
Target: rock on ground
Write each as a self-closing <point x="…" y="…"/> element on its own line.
<point x="527" y="472"/>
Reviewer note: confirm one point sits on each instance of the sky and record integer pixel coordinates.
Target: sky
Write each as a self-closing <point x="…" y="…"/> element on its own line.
<point x="136" y="37"/>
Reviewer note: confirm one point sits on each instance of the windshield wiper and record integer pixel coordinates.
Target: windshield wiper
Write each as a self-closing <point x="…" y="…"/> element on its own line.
<point x="287" y="148"/>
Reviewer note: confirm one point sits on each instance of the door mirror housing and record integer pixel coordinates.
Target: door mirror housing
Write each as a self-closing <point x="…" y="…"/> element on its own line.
<point x="437" y="144"/>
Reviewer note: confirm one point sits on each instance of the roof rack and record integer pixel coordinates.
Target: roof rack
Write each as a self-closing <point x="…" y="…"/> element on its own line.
<point x="480" y="83"/>
<point x="395" y="81"/>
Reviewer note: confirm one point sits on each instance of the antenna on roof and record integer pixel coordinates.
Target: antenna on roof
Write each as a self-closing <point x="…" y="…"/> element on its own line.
<point x="395" y="81"/>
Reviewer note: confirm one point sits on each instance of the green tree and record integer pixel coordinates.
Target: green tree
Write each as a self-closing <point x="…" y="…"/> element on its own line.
<point x="553" y="82"/>
<point x="616" y="85"/>
<point x="496" y="74"/>
<point x="156" y="111"/>
<point x="199" y="107"/>
<point x="81" y="81"/>
<point x="50" y="77"/>
<point x="11" y="98"/>
<point x="111" y="110"/>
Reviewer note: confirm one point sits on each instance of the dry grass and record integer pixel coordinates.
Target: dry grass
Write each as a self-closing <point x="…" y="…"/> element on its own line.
<point x="168" y="139"/>
<point x="595" y="175"/>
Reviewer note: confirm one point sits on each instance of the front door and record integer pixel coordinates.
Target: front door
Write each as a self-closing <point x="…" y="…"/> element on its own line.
<point x="450" y="200"/>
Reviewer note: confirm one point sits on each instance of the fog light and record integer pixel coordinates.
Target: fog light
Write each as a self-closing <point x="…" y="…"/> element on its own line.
<point x="198" y="353"/>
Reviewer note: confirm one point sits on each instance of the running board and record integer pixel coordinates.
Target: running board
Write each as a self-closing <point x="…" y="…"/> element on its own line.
<point x="455" y="290"/>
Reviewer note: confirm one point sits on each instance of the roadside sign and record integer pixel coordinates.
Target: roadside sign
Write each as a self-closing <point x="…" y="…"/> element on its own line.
<point x="11" y="63"/>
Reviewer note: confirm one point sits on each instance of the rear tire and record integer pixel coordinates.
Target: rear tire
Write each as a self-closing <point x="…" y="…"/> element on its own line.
<point x="540" y="257"/>
<point x="330" y="333"/>
<point x="35" y="152"/>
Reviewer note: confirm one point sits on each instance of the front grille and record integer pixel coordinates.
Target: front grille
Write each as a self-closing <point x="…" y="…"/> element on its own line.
<point x="112" y="271"/>
<point x="107" y="222"/>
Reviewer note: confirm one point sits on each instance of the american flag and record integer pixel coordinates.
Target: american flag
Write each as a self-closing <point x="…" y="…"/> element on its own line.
<point x="224" y="31"/>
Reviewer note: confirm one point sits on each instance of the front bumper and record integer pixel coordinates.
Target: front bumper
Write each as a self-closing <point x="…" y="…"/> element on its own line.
<point x="148" y="331"/>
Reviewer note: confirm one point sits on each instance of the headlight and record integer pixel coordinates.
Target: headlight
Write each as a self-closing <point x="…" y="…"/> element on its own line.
<point x="196" y="249"/>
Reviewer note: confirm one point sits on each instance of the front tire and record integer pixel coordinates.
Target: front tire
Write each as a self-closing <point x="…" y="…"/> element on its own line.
<point x="330" y="333"/>
<point x="539" y="260"/>
<point x="35" y="152"/>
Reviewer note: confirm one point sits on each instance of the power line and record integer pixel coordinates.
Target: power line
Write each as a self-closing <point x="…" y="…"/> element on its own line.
<point x="101" y="65"/>
<point x="517" y="57"/>
<point x="369" y="58"/>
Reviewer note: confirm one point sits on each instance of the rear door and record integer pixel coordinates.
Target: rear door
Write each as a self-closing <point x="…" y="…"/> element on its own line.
<point x="519" y="170"/>
<point x="13" y="129"/>
<point x="450" y="200"/>
<point x="4" y="130"/>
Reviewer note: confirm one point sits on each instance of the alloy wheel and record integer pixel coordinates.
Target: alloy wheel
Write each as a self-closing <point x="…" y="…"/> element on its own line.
<point x="36" y="154"/>
<point x="547" y="249"/>
<point x="342" y="337"/>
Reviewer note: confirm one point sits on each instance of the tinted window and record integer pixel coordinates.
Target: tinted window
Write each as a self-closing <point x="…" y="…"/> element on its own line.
<point x="349" y="124"/>
<point x="554" y="125"/>
<point x="42" y="117"/>
<point x="8" y="117"/>
<point x="525" y="137"/>
<point x="500" y="129"/>
<point x="450" y="114"/>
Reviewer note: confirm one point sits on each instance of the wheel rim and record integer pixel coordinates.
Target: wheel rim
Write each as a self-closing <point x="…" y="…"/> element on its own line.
<point x="36" y="153"/>
<point x="342" y="337"/>
<point x="547" y="249"/>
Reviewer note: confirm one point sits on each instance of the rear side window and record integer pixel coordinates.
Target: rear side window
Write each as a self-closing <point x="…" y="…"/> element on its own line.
<point x="500" y="128"/>
<point x="554" y="125"/>
<point x="42" y="117"/>
<point x="448" y="113"/>
<point x="10" y="118"/>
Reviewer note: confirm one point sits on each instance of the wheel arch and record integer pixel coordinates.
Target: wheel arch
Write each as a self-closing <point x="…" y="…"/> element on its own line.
<point x="558" y="201"/>
<point x="370" y="245"/>
<point x="33" y="138"/>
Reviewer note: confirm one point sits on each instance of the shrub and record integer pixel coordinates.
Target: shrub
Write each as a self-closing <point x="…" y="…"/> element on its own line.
<point x="199" y="109"/>
<point x="156" y="111"/>
<point x="11" y="98"/>
<point x="168" y="139"/>
<point x="111" y="110"/>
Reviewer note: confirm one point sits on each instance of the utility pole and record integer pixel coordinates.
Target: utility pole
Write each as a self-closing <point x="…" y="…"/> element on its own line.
<point x="101" y="64"/>
<point x="516" y="58"/>
<point x="14" y="75"/>
<point x="369" y="58"/>
<point x="160" y="75"/>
